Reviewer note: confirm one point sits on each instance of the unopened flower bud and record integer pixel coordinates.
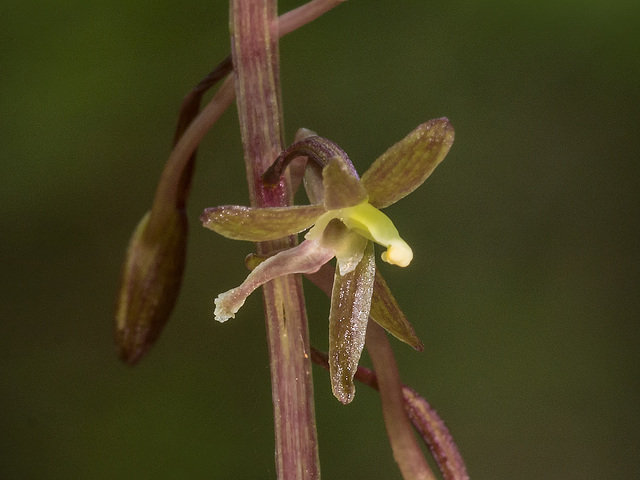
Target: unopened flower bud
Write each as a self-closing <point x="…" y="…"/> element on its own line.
<point x="149" y="283"/>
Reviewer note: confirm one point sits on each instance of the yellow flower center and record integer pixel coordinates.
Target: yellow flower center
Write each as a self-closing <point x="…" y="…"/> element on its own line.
<point x="371" y="223"/>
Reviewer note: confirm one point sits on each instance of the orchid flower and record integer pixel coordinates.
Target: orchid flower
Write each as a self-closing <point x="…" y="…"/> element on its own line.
<point x="344" y="221"/>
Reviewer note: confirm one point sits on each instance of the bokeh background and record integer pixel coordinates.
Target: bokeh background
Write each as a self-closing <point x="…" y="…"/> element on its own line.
<point x="524" y="286"/>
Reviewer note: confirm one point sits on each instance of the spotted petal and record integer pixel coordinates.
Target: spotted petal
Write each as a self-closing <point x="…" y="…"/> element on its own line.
<point x="259" y="224"/>
<point x="350" y="305"/>
<point x="407" y="164"/>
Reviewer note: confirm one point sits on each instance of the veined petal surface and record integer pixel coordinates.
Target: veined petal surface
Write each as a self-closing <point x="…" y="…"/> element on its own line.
<point x="259" y="224"/>
<point x="386" y="312"/>
<point x="407" y="164"/>
<point x="350" y="305"/>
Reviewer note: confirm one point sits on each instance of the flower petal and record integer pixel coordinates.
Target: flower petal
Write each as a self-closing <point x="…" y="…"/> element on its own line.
<point x="350" y="251"/>
<point x="350" y="305"/>
<point x="407" y="164"/>
<point x="386" y="313"/>
<point x="307" y="257"/>
<point x="342" y="188"/>
<point x="348" y="246"/>
<point x="259" y="224"/>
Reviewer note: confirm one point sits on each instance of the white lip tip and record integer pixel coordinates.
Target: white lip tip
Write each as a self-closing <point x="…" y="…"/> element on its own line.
<point x="400" y="255"/>
<point x="221" y="313"/>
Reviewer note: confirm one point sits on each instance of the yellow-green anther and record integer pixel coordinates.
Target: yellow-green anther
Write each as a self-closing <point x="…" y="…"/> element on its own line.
<point x="371" y="223"/>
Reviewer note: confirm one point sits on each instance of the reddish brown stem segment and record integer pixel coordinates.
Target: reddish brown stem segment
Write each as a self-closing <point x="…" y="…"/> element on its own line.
<point x="254" y="48"/>
<point x="405" y="448"/>
<point x="424" y="418"/>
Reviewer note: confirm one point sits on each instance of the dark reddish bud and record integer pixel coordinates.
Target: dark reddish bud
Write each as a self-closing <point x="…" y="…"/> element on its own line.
<point x="149" y="283"/>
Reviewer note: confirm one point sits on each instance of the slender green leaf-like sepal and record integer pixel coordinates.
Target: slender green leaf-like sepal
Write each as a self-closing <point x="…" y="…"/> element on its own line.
<point x="407" y="164"/>
<point x="260" y="224"/>
<point x="350" y="305"/>
<point x="386" y="313"/>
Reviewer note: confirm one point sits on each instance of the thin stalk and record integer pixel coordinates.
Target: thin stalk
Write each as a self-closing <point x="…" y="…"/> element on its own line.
<point x="254" y="47"/>
<point x="405" y="448"/>
<point x="170" y="193"/>
<point x="424" y="418"/>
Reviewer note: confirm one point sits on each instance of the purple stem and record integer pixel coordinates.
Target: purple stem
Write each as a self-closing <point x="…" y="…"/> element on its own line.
<point x="254" y="48"/>
<point x="405" y="448"/>
<point x="424" y="418"/>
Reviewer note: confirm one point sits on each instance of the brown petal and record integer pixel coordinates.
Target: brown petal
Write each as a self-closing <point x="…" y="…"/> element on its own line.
<point x="259" y="224"/>
<point x="341" y="187"/>
<point x="350" y="304"/>
<point x="149" y="283"/>
<point x="407" y="164"/>
<point x="386" y="313"/>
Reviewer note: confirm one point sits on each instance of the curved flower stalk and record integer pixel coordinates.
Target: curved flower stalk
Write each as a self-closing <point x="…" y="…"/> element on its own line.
<point x="344" y="223"/>
<point x="152" y="270"/>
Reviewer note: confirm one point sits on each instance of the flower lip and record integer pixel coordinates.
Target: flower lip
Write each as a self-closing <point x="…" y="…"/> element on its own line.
<point x="398" y="253"/>
<point x="369" y="222"/>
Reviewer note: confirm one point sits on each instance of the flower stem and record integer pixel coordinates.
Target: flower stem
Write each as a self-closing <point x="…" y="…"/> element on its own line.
<point x="254" y="47"/>
<point x="405" y="448"/>
<point x="424" y="418"/>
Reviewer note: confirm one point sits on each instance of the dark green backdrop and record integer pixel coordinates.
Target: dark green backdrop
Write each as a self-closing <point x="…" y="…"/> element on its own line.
<point x="524" y="286"/>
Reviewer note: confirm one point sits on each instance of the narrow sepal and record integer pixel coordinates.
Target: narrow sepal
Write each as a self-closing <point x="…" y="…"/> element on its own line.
<point x="407" y="164"/>
<point x="350" y="305"/>
<point x="259" y="224"/>
<point x="386" y="312"/>
<point x="342" y="188"/>
<point x="149" y="283"/>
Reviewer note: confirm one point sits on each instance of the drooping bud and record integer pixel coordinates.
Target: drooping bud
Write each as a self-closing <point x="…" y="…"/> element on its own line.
<point x="149" y="283"/>
<point x="152" y="271"/>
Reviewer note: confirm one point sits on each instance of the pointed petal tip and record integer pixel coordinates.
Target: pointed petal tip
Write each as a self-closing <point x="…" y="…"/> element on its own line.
<point x="345" y="397"/>
<point x="442" y="124"/>
<point x="204" y="217"/>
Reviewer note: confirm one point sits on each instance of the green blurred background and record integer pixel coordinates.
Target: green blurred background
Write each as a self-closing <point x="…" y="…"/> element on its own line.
<point x="524" y="286"/>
